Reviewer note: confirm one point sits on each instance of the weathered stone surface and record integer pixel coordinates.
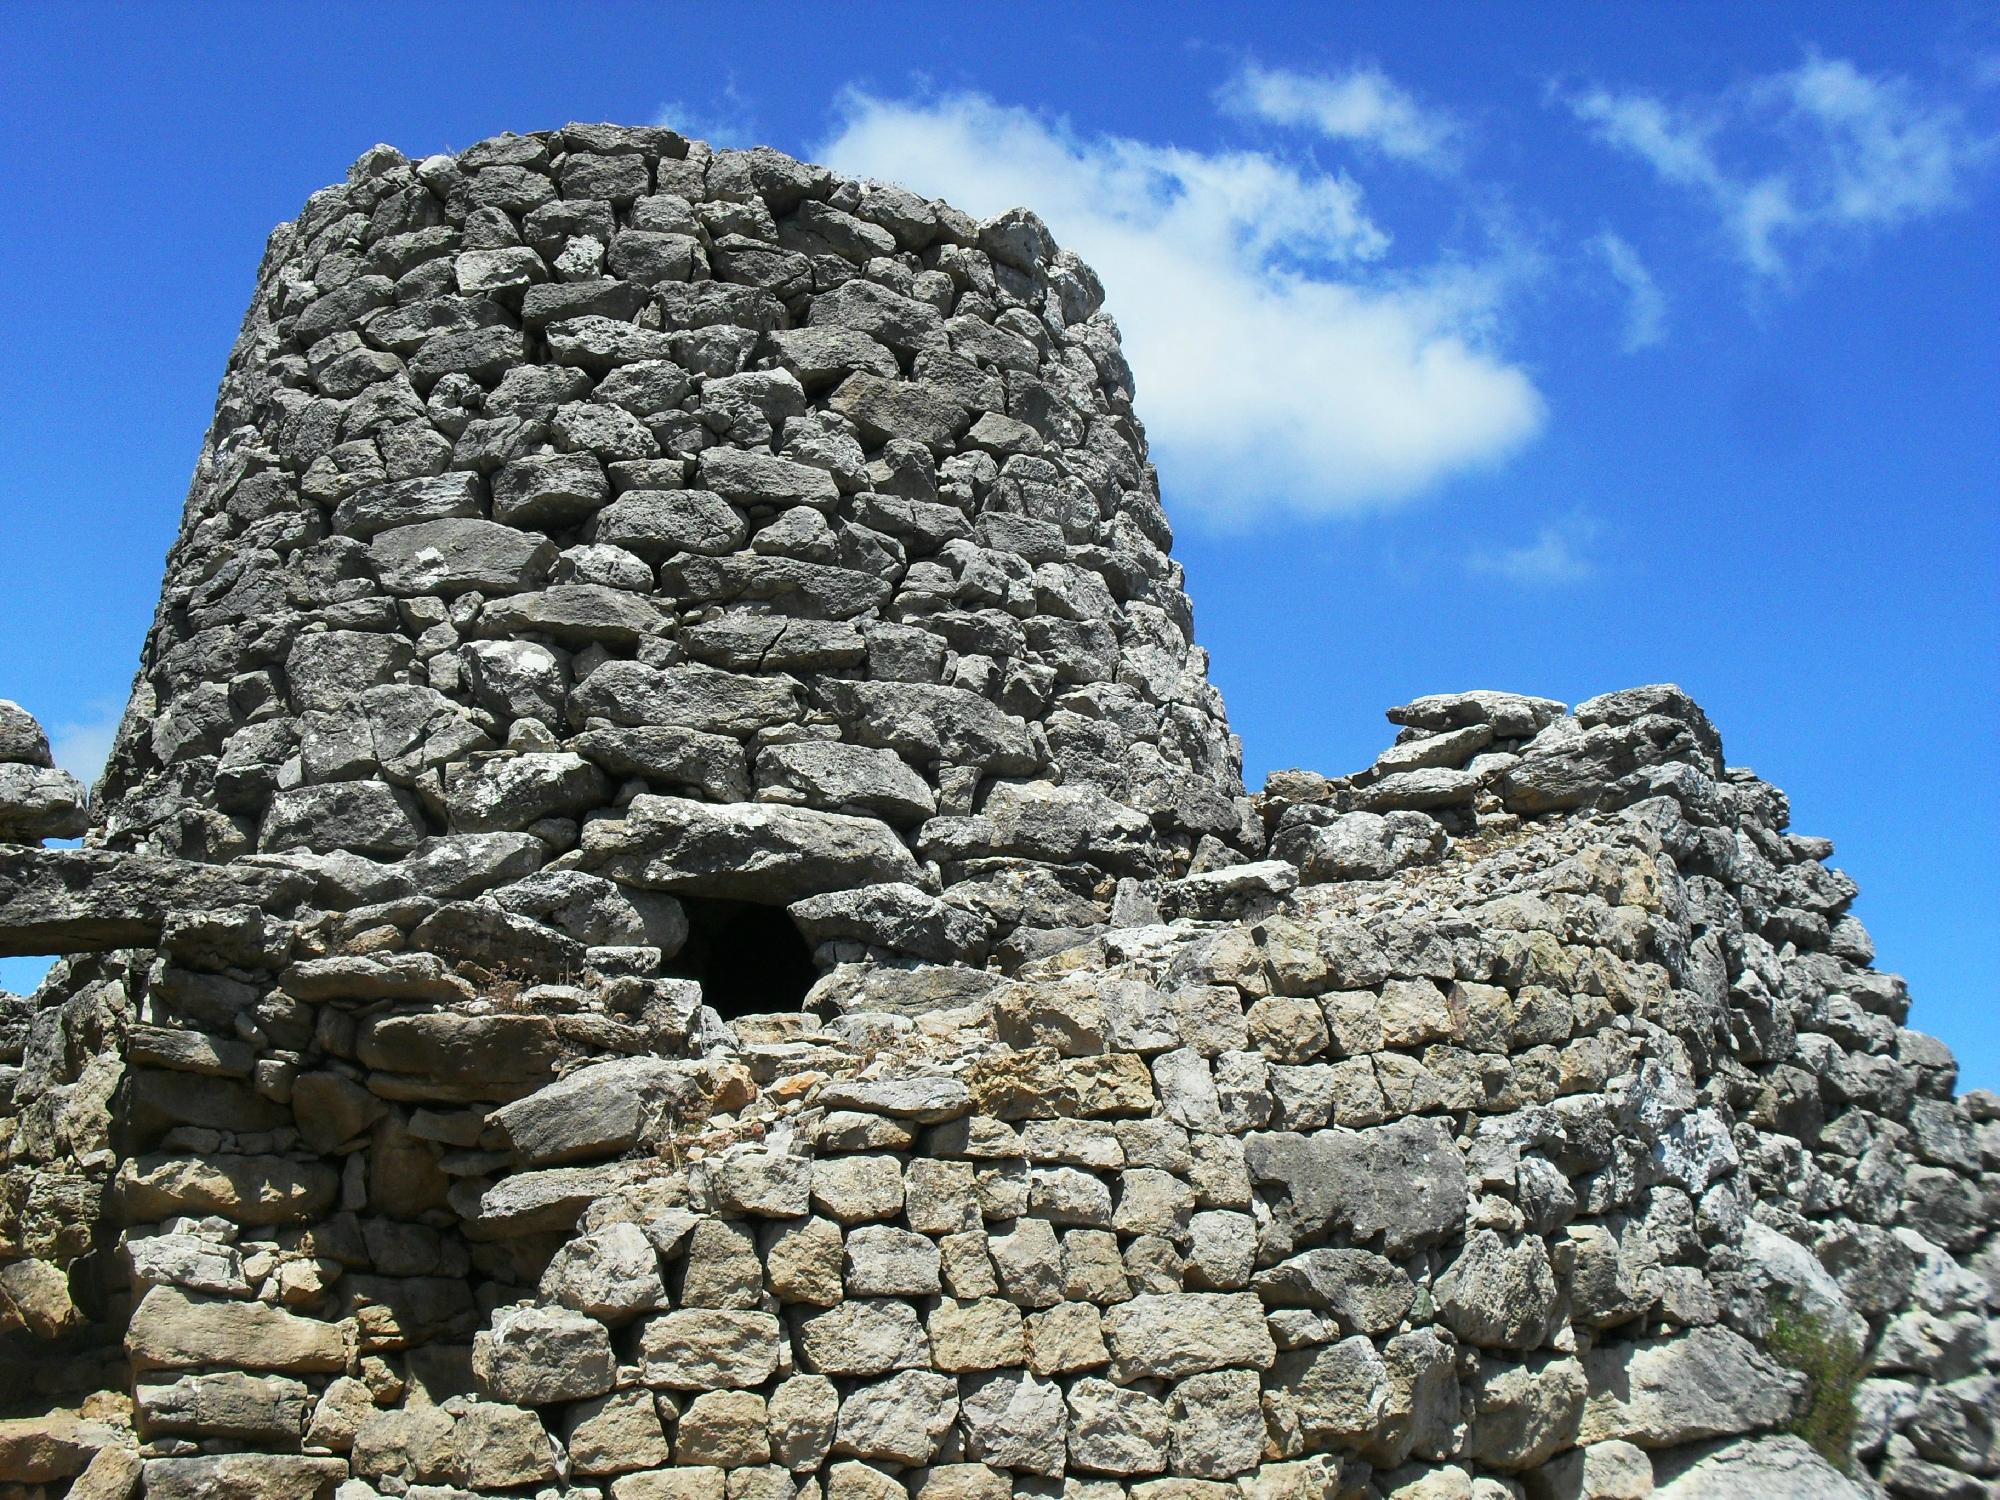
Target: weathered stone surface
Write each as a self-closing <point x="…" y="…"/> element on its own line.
<point x="802" y="1413"/>
<point x="489" y="1056"/>
<point x="902" y="1419"/>
<point x="696" y="1349"/>
<point x="1170" y="1337"/>
<point x="22" y="740"/>
<point x="243" y="1476"/>
<point x="40" y="1450"/>
<point x="1496" y="1295"/>
<point x="1361" y="845"/>
<point x="454" y="557"/>
<point x="614" y="1434"/>
<point x="90" y="900"/>
<point x="173" y="1329"/>
<point x="245" y="1189"/>
<point x="40" y="802"/>
<point x="368" y="817"/>
<point x="1363" y="1293"/>
<point x="1705" y="1383"/>
<point x="747" y="851"/>
<point x="270" y="1409"/>
<point x="1403" y="1184"/>
<point x="533" y="1356"/>
<point x="593" y="515"/>
<point x="1113" y="1430"/>
<point x="1015" y="1421"/>
<point x="598" y="1111"/>
<point x="864" y="1337"/>
<point x="1780" y="1468"/>
<point x="1525" y="1413"/>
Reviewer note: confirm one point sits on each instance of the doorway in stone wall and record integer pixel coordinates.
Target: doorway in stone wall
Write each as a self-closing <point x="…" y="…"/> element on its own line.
<point x="749" y="958"/>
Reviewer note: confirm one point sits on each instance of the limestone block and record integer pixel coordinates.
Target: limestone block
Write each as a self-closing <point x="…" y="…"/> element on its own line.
<point x="701" y="1348"/>
<point x="1705" y="1383"/>
<point x="870" y="1337"/>
<point x="533" y="1356"/>
<point x="746" y="851"/>
<point x="1013" y="1420"/>
<point x="902" y="1419"/>
<point x="1170" y="1337"/>
<point x="615" y="1433"/>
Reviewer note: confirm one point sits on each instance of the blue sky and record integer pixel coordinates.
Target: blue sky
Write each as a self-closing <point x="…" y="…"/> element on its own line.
<point x="1547" y="348"/>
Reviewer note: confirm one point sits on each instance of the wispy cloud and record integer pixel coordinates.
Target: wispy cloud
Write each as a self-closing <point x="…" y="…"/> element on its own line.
<point x="1285" y="361"/>
<point x="1793" y="163"/>
<point x="1560" y="553"/>
<point x="1363" y="105"/>
<point x="729" y="118"/>
<point x="82" y="745"/>
<point x="1645" y="303"/>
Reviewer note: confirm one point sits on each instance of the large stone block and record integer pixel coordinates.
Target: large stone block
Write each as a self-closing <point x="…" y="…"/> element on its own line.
<point x="173" y="1329"/>
<point x="745" y="851"/>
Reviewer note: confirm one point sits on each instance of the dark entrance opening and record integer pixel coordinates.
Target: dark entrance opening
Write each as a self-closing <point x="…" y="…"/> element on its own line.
<point x="750" y="959"/>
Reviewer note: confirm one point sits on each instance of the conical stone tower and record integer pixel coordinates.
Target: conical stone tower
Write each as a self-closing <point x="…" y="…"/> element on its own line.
<point x="598" y="503"/>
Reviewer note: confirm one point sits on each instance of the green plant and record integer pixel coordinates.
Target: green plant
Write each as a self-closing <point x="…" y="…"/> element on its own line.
<point x="1833" y="1366"/>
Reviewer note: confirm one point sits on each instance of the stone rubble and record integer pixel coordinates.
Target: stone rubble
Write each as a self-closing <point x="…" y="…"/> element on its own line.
<point x="674" y="915"/>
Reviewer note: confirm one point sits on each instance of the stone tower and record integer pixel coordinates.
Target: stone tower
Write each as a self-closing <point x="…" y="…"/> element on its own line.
<point x="674" y="918"/>
<point x="597" y="502"/>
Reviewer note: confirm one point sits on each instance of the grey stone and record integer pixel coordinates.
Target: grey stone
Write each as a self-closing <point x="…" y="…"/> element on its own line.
<point x="600" y="1110"/>
<point x="864" y="1337"/>
<point x="653" y="523"/>
<point x="693" y="697"/>
<point x="1402" y="1183"/>
<point x="1113" y="1430"/>
<point x="898" y="917"/>
<point x="243" y="1476"/>
<point x="1496" y="1295"/>
<point x="580" y="613"/>
<point x="1361" y="845"/>
<point x="885" y="410"/>
<point x="38" y="802"/>
<point x="453" y="557"/>
<point x="847" y="778"/>
<point x="1772" y="1468"/>
<point x="1704" y="1383"/>
<point x="405" y="502"/>
<point x="1014" y="1421"/>
<point x="1363" y="1292"/>
<point x="507" y="793"/>
<point x="22" y="741"/>
<point x="747" y="851"/>
<point x="611" y="1274"/>
<point x="1510" y="715"/>
<point x="700" y="1348"/>
<point x="1217" y="1424"/>
<point x="670" y="756"/>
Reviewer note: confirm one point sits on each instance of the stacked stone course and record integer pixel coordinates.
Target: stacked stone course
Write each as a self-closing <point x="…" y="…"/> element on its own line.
<point x="604" y="541"/>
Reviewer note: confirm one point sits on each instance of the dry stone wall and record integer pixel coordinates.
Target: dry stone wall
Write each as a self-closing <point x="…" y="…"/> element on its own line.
<point x="629" y="588"/>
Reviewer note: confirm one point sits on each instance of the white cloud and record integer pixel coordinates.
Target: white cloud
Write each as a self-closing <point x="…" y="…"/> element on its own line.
<point x="728" y="119"/>
<point x="1559" y="554"/>
<point x="1282" y="364"/>
<point x="1363" y="105"/>
<point x="81" y="746"/>
<point x="1792" y="159"/>
<point x="1645" y="303"/>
